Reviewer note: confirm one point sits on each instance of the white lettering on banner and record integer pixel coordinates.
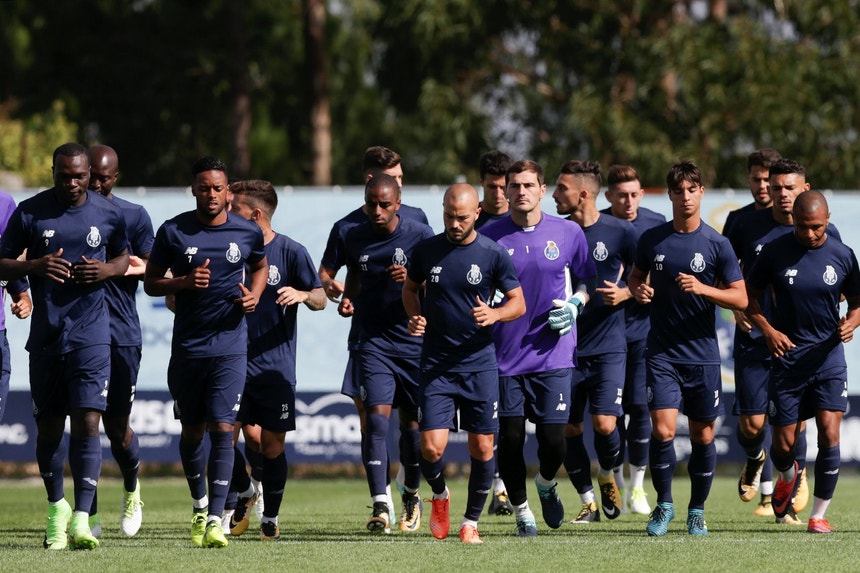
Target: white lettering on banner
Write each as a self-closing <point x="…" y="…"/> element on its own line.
<point x="314" y="427"/>
<point x="13" y="434"/>
<point x="333" y="429"/>
<point x="154" y="417"/>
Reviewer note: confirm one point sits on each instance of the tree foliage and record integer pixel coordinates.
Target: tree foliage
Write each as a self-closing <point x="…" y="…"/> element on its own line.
<point x="442" y="81"/>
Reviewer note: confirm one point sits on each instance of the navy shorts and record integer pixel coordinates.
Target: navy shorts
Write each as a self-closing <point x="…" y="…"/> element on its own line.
<point x="752" y="381"/>
<point x="5" y="371"/>
<point x="207" y="389"/>
<point x="797" y="396"/>
<point x="634" y="379"/>
<point x="388" y="380"/>
<point x="79" y="379"/>
<point x="351" y="377"/>
<point x="124" y="366"/>
<point x="599" y="381"/>
<point x="543" y="398"/>
<point x="270" y="406"/>
<point x="475" y="395"/>
<point x="698" y="387"/>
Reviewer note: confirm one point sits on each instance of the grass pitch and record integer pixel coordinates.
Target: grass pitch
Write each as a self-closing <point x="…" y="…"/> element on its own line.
<point x="323" y="529"/>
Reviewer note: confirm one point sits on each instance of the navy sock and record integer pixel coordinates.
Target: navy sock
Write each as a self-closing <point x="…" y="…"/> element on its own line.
<point x="767" y="470"/>
<point x="220" y="468"/>
<point x="578" y="464"/>
<point x="752" y="446"/>
<point x="480" y="484"/>
<point x="49" y="458"/>
<point x="410" y="446"/>
<point x="800" y="449"/>
<point x="194" y="466"/>
<point x="128" y="460"/>
<point x="620" y="424"/>
<point x="434" y="474"/>
<point x="274" y="480"/>
<point x="826" y="471"/>
<point x="255" y="460"/>
<point x="782" y="462"/>
<point x="376" y="464"/>
<point x="701" y="466"/>
<point x="85" y="460"/>
<point x="240" y="480"/>
<point x="662" y="461"/>
<point x="607" y="448"/>
<point x="638" y="435"/>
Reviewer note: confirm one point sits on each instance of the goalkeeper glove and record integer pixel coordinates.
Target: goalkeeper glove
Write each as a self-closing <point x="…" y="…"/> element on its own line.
<point x="564" y="315"/>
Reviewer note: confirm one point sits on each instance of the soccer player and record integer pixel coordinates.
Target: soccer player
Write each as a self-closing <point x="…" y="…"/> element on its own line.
<point x="601" y="351"/>
<point x="126" y="341"/>
<point x="535" y="352"/>
<point x="624" y="193"/>
<point x="378" y="254"/>
<point x="684" y="259"/>
<point x="493" y="167"/>
<point x="758" y="178"/>
<point x="460" y="270"/>
<point x="21" y="306"/>
<point x="207" y="251"/>
<point x="748" y="234"/>
<point x="74" y="240"/>
<point x="268" y="408"/>
<point x="807" y="272"/>
<point x="377" y="160"/>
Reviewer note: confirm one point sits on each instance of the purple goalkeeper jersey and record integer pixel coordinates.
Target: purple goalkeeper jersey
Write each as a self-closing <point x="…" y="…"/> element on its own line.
<point x="550" y="259"/>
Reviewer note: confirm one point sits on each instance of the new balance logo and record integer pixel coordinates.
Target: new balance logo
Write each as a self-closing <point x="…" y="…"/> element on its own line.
<point x="191" y="251"/>
<point x="561" y="408"/>
<point x="791" y="273"/>
<point x="363" y="258"/>
<point x="435" y="270"/>
<point x="48" y="233"/>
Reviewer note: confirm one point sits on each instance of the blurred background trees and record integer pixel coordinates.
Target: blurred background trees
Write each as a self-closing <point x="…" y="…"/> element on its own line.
<point x="294" y="90"/>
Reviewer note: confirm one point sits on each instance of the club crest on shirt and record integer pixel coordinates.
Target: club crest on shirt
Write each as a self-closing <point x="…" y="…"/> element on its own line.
<point x="600" y="251"/>
<point x="829" y="276"/>
<point x="233" y="253"/>
<point x="698" y="263"/>
<point x="274" y="275"/>
<point x="94" y="238"/>
<point x="551" y="251"/>
<point x="474" y="275"/>
<point x="399" y="257"/>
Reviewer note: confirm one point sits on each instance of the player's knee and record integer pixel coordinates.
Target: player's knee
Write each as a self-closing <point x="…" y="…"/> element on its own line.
<point x="604" y="425"/>
<point x="431" y="453"/>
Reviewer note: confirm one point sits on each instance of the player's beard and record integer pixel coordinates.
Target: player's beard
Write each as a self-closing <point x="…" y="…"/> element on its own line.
<point x="458" y="239"/>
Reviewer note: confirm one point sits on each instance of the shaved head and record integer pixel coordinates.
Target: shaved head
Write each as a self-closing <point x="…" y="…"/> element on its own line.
<point x="809" y="202"/>
<point x="460" y="193"/>
<point x="104" y="169"/>
<point x="459" y="213"/>
<point x="811" y="217"/>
